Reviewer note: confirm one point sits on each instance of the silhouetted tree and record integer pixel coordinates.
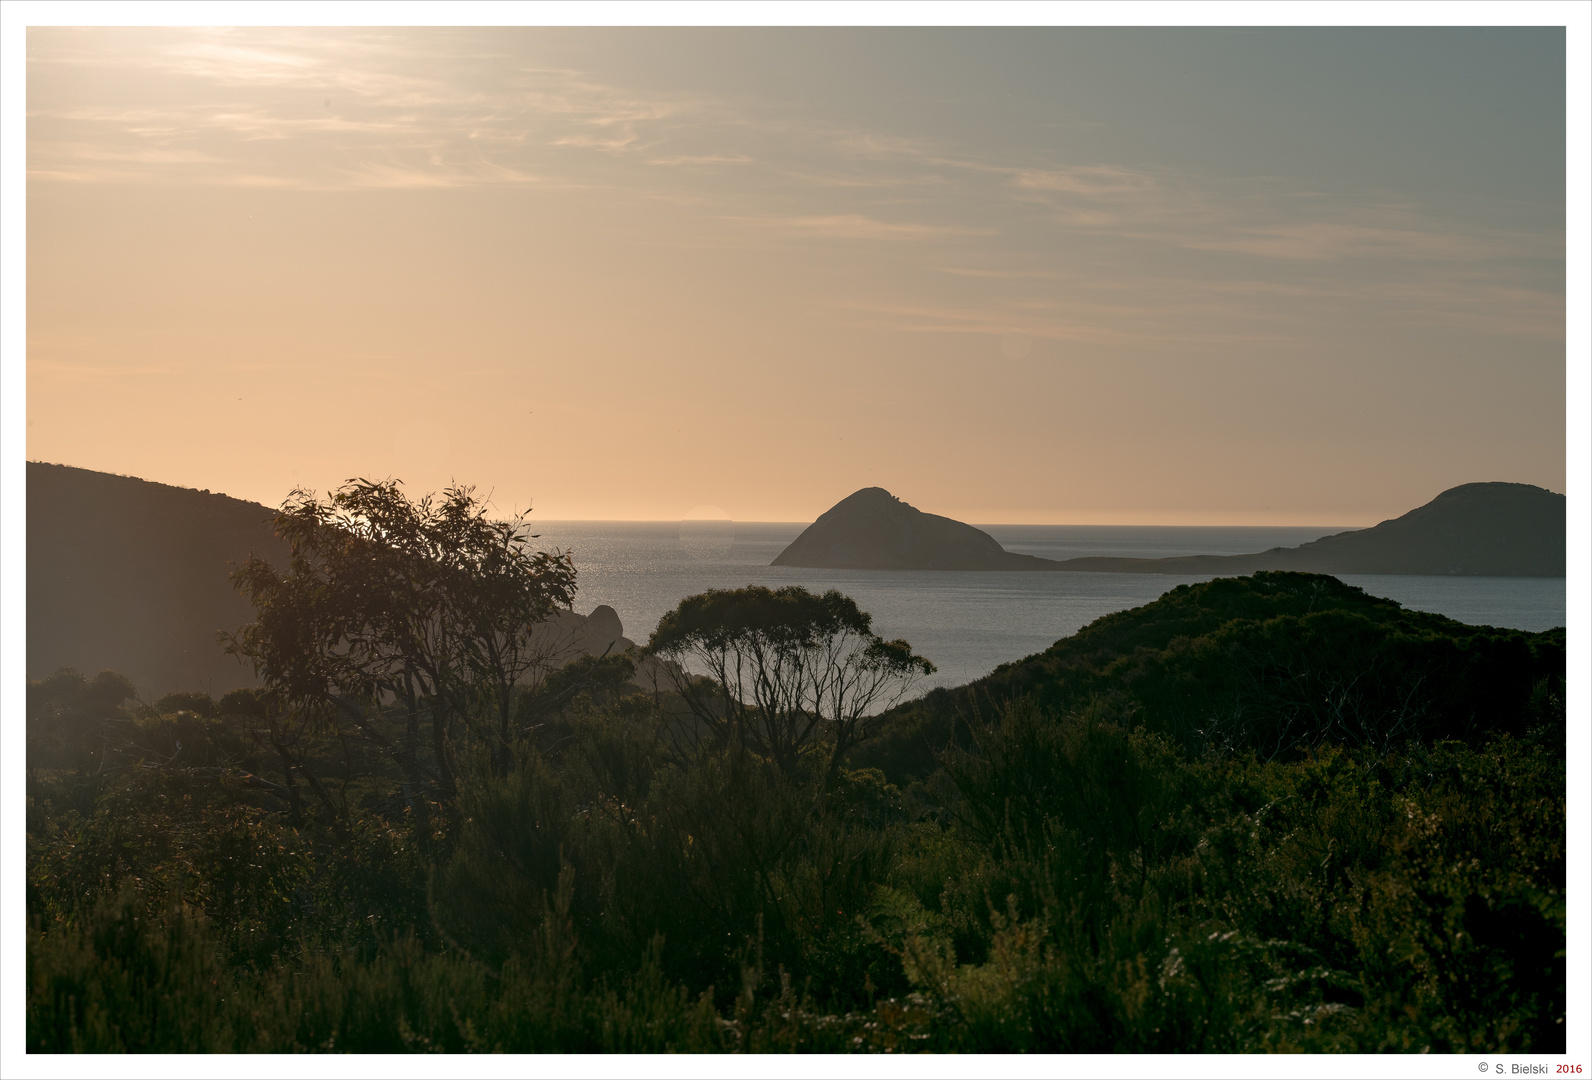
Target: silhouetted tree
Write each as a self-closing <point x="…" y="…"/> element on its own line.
<point x="428" y="604"/>
<point x="789" y="670"/>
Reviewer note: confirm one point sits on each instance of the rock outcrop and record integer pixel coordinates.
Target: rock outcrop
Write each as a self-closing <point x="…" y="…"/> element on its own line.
<point x="569" y="635"/>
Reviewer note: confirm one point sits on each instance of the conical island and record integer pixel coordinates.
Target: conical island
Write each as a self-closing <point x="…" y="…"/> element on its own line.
<point x="873" y="530"/>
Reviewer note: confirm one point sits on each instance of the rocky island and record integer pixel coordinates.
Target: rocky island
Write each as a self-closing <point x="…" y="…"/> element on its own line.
<point x="873" y="530"/>
<point x="1489" y="529"/>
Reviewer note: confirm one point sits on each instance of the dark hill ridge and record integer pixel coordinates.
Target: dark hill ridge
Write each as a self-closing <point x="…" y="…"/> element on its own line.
<point x="1492" y="529"/>
<point x="131" y="575"/>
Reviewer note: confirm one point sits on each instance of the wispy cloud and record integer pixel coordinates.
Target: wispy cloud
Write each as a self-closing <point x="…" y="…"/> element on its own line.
<point x="97" y="373"/>
<point x="999" y="275"/>
<point x="313" y="107"/>
<point x="860" y="227"/>
<point x="1094" y="181"/>
<point x="1332" y="240"/>
<point x="388" y="109"/>
<point x="1081" y="316"/>
<point x="700" y="159"/>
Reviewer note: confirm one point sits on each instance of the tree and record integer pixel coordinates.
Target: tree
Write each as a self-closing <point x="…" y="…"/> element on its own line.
<point x="788" y="671"/>
<point x="428" y="605"/>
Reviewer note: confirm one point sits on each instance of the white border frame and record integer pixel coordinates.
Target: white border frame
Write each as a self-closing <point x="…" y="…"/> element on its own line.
<point x="17" y="15"/>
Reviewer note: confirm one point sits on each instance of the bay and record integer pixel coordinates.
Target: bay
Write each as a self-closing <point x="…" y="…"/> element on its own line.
<point x="968" y="621"/>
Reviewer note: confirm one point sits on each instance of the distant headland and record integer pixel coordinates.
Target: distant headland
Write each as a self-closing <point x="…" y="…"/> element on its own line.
<point x="1486" y="529"/>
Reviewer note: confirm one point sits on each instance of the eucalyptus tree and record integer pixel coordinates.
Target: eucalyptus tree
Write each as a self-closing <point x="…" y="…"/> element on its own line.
<point x="426" y="604"/>
<point x="788" y="672"/>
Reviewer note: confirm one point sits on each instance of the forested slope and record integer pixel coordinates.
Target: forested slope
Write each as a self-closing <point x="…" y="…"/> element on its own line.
<point x="1273" y="664"/>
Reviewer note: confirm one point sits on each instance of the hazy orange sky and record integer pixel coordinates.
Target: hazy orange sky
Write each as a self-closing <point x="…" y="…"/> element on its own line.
<point x="1041" y="275"/>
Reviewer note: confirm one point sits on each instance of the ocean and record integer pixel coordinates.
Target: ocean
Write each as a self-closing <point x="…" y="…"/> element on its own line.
<point x="970" y="621"/>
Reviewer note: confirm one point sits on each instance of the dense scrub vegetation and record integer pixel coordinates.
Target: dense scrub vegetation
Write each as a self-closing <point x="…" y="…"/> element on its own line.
<point x="1259" y="814"/>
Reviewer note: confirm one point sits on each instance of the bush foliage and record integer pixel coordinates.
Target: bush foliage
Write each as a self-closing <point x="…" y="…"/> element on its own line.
<point x="1262" y="814"/>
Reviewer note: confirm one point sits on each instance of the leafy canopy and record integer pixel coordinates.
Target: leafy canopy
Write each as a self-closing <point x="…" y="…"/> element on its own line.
<point x="788" y="670"/>
<point x="429" y="603"/>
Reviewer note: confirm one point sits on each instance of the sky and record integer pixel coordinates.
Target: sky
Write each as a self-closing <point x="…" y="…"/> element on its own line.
<point x="1111" y="276"/>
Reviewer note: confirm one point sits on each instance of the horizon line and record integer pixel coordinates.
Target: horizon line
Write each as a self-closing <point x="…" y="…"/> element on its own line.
<point x="1142" y="519"/>
<point x="976" y="524"/>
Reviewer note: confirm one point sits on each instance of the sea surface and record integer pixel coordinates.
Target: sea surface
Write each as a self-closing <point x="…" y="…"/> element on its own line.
<point x="970" y="621"/>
